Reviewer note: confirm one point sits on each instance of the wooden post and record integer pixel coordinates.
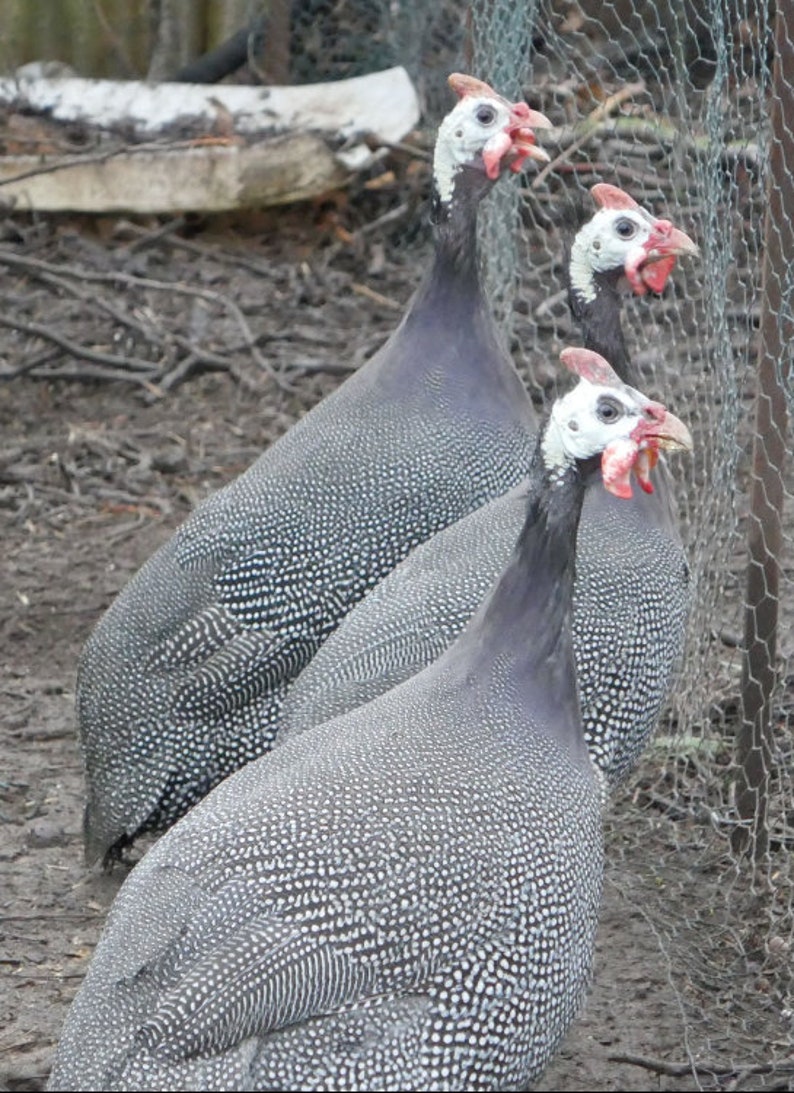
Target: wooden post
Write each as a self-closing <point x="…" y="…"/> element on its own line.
<point x="765" y="532"/>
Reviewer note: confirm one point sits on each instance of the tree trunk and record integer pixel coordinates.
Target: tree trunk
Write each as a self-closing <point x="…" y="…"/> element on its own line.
<point x="176" y="36"/>
<point x="765" y="533"/>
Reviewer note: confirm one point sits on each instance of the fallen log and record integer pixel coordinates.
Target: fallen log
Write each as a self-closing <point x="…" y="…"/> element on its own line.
<point x="166" y="148"/>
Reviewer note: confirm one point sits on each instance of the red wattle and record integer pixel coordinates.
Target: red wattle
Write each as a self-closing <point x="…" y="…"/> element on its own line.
<point x="655" y="273"/>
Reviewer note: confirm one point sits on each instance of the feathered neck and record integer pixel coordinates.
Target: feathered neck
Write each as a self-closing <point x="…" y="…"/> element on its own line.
<point x="447" y="346"/>
<point x="454" y="219"/>
<point x="594" y="300"/>
<point x="449" y="311"/>
<point x="522" y="634"/>
<point x="536" y="589"/>
<point x="596" y="306"/>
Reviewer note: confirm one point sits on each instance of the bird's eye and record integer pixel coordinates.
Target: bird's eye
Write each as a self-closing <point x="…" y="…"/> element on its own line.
<point x="608" y="410"/>
<point x="625" y="228"/>
<point x="485" y="114"/>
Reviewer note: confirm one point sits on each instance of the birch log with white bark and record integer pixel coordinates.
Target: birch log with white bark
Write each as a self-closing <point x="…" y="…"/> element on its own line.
<point x="263" y="145"/>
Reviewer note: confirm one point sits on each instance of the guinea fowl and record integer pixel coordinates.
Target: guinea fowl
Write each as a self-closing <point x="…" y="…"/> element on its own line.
<point x="632" y="591"/>
<point x="181" y="681"/>
<point x="404" y="897"/>
<point x="622" y="240"/>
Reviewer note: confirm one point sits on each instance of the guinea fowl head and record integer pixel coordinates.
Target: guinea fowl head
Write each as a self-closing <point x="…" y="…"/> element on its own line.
<point x="604" y="422"/>
<point x="622" y="238"/>
<point x="485" y="132"/>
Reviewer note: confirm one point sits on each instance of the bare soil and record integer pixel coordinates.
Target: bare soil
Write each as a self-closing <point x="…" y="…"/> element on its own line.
<point x="96" y="474"/>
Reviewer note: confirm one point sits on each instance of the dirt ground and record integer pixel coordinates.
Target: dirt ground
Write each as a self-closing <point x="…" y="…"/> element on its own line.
<point x="95" y="475"/>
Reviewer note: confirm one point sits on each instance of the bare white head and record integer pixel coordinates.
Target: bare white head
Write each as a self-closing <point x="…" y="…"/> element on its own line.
<point x="622" y="237"/>
<point x="604" y="416"/>
<point x="484" y="131"/>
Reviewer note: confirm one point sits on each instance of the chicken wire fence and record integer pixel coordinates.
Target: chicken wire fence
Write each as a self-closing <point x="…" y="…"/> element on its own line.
<point x="682" y="104"/>
<point x="695" y="137"/>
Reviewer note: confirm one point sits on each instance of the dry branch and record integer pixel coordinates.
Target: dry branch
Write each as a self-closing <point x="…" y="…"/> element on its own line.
<point x="156" y="375"/>
<point x="588" y="127"/>
<point x="682" y="1070"/>
<point x="40" y="330"/>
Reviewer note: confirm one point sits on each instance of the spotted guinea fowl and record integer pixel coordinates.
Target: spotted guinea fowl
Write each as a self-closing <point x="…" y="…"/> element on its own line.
<point x="632" y="591"/>
<point x="404" y="897"/>
<point x="180" y="682"/>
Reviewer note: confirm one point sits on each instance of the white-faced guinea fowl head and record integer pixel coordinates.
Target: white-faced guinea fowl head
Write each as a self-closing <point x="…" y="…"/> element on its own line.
<point x="603" y="415"/>
<point x="628" y="236"/>
<point x="484" y="131"/>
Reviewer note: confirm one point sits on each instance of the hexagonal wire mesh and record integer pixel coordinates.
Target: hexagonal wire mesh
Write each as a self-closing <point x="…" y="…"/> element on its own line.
<point x="674" y="103"/>
<point x="678" y="104"/>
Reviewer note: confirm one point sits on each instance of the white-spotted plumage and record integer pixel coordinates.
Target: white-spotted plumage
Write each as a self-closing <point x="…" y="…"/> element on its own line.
<point x="182" y="680"/>
<point x="632" y="595"/>
<point x="405" y="897"/>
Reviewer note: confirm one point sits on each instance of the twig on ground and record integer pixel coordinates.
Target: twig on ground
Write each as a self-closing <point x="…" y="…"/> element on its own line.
<point x="411" y="149"/>
<point x="145" y="238"/>
<point x="681" y="1070"/>
<point x="332" y="368"/>
<point x="56" y="915"/>
<point x="39" y="330"/>
<point x="38" y="360"/>
<point x="376" y="297"/>
<point x="180" y="371"/>
<point x="388" y="218"/>
<point x="149" y="333"/>
<point x="39" y="267"/>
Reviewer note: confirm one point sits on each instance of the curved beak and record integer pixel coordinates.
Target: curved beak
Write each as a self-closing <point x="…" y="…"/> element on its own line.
<point x="661" y="429"/>
<point x="665" y="238"/>
<point x="523" y="123"/>
<point x="650" y="265"/>
<point x="638" y="454"/>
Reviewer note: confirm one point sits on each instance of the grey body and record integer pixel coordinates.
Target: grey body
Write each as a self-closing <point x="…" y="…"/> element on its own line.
<point x="632" y="593"/>
<point x="182" y="680"/>
<point x="402" y="898"/>
<point x="424" y="903"/>
<point x="631" y="602"/>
